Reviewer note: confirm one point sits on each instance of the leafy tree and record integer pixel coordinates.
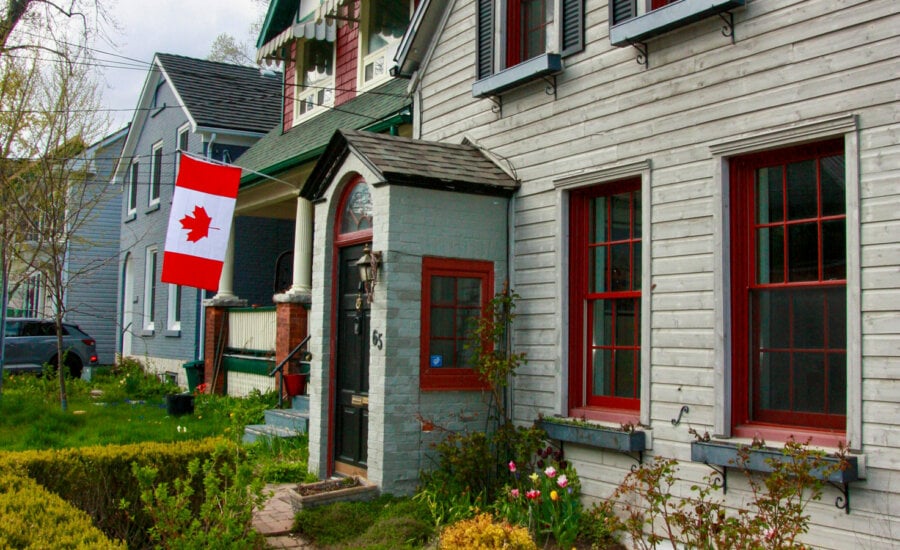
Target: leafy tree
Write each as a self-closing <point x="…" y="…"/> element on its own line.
<point x="228" y="49"/>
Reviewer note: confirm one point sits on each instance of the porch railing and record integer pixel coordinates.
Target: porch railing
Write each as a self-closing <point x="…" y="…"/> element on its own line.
<point x="279" y="368"/>
<point x="252" y="328"/>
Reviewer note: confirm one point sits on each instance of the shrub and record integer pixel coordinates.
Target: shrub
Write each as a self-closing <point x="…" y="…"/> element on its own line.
<point x="99" y="480"/>
<point x="482" y="532"/>
<point x="36" y="518"/>
<point x="224" y="519"/>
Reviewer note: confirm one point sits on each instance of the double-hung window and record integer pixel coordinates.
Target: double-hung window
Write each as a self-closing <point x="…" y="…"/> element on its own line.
<point x="133" y="187"/>
<point x="454" y="293"/>
<point x="788" y="286"/>
<point x="605" y="297"/>
<point x="534" y="36"/>
<point x="174" y="309"/>
<point x="315" y="76"/>
<point x="384" y="22"/>
<point x="182" y="140"/>
<point x="155" y="173"/>
<point x="150" y="288"/>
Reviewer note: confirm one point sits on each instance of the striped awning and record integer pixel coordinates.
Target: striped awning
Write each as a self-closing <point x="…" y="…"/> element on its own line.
<point x="319" y="21"/>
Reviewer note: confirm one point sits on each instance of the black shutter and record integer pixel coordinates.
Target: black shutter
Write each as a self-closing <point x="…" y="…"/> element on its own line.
<point x="621" y="10"/>
<point x="572" y="26"/>
<point x="485" y="45"/>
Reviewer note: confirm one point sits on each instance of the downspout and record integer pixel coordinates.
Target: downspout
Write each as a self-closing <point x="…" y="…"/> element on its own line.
<point x="510" y="231"/>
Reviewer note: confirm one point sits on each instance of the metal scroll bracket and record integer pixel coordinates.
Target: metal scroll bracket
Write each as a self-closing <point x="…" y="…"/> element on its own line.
<point x="551" y="85"/>
<point x="728" y="27"/>
<point x="643" y="56"/>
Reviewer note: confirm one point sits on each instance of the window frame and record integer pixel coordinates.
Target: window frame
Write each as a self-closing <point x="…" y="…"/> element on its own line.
<point x="450" y="378"/>
<point x="151" y="265"/>
<point x="743" y="273"/>
<point x="173" y="311"/>
<point x="133" y="177"/>
<point x="184" y="131"/>
<point x="326" y="86"/>
<point x="156" y="155"/>
<point x="385" y="53"/>
<point x="581" y="398"/>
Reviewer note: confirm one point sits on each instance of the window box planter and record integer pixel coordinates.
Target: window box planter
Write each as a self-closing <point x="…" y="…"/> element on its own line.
<point x="718" y="453"/>
<point x="320" y="493"/>
<point x="594" y="435"/>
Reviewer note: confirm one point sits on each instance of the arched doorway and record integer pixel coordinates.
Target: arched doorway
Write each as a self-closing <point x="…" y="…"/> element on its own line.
<point x="350" y="369"/>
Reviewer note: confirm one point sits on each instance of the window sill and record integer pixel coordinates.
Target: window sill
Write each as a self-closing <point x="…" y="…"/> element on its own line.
<point x="130" y="217"/>
<point x="148" y="332"/>
<point x="513" y="77"/>
<point x="152" y="208"/>
<point x="595" y="435"/>
<point x="662" y="20"/>
<point x="172" y="333"/>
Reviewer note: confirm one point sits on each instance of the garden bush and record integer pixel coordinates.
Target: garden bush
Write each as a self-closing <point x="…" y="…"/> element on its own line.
<point x="32" y="517"/>
<point x="99" y="480"/>
<point x="482" y="532"/>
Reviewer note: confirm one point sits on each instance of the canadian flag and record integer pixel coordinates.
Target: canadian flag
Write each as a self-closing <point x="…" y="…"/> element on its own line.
<point x="199" y="223"/>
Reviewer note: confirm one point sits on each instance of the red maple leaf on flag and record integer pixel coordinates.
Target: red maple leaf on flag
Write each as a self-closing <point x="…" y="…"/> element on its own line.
<point x="198" y="225"/>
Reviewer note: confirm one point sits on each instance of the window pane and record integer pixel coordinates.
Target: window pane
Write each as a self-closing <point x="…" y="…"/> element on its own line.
<point x="774" y="380"/>
<point x="636" y="197"/>
<point x="837" y="317"/>
<point x="809" y="319"/>
<point x="598" y="220"/>
<point x="809" y="382"/>
<point x="443" y="290"/>
<point x="625" y="375"/>
<point x="801" y="190"/>
<point x="625" y="326"/>
<point x="444" y="349"/>
<point x="769" y="198"/>
<point x="464" y="357"/>
<point x="603" y="322"/>
<point x="602" y="381"/>
<point x="442" y="322"/>
<point x="833" y="187"/>
<point x="837" y="383"/>
<point x="803" y="252"/>
<point x="620" y="277"/>
<point x="357" y="214"/>
<point x="465" y="321"/>
<point x="636" y="271"/>
<point x="469" y="291"/>
<point x="621" y="216"/>
<point x="834" y="250"/>
<point x="598" y="269"/>
<point x="770" y="255"/>
<point x="773" y="308"/>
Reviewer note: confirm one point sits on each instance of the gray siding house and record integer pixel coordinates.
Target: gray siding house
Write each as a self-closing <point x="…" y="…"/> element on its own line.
<point x="209" y="109"/>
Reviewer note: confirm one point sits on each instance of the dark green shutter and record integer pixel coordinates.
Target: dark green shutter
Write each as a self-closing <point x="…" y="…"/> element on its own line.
<point x="485" y="46"/>
<point x="621" y="10"/>
<point x="572" y="26"/>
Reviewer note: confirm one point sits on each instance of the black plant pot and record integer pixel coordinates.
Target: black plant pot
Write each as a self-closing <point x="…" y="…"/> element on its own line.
<point x="179" y="404"/>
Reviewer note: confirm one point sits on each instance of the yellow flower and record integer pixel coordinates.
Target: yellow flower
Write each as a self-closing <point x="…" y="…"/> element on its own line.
<point x="534" y="477"/>
<point x="554" y="496"/>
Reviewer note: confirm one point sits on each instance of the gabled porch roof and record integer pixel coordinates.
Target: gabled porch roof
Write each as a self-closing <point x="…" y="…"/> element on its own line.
<point x="461" y="168"/>
<point x="278" y="151"/>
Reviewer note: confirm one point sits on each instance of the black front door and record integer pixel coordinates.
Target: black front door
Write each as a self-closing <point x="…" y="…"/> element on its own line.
<point x="351" y="412"/>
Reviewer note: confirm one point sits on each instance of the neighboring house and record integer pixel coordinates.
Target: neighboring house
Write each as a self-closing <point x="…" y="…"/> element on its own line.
<point x="696" y="202"/>
<point x="336" y="57"/>
<point x="209" y="109"/>
<point x="91" y="267"/>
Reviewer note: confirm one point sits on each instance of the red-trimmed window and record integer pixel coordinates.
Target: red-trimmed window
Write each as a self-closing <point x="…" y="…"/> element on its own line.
<point x="526" y="29"/>
<point x="605" y="297"/>
<point x="788" y="284"/>
<point x="656" y="4"/>
<point x="453" y="293"/>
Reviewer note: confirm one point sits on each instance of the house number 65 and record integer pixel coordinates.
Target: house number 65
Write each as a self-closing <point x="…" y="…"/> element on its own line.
<point x="377" y="340"/>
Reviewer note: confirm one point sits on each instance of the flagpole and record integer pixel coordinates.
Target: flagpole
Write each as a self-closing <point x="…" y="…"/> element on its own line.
<point x="221" y="163"/>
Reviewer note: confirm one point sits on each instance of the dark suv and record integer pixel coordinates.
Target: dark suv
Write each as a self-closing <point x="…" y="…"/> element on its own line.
<point x="30" y="343"/>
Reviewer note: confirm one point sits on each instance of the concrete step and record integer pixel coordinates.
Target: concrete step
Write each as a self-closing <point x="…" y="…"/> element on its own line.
<point x="254" y="432"/>
<point x="288" y="418"/>
<point x="300" y="403"/>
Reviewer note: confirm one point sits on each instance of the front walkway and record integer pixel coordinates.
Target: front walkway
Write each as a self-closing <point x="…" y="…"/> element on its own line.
<point x="275" y="519"/>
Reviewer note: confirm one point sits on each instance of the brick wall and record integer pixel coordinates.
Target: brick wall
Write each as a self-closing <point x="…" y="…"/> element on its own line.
<point x="290" y="87"/>
<point x="347" y="47"/>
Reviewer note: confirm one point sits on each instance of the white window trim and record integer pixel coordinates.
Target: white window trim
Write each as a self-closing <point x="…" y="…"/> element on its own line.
<point x="149" y="295"/>
<point x="152" y="201"/>
<point x="301" y="95"/>
<point x="564" y="186"/>
<point x="133" y="187"/>
<point x="174" y="306"/>
<point x="182" y="130"/>
<point x="386" y="53"/>
<point x="797" y="134"/>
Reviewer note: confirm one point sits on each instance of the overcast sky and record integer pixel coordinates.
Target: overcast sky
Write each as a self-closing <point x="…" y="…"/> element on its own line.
<point x="183" y="27"/>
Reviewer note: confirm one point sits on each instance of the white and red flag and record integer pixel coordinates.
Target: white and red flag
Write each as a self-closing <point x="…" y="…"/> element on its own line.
<point x="199" y="223"/>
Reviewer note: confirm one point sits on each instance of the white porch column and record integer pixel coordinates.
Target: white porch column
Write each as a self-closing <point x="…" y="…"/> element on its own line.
<point x="301" y="281"/>
<point x="225" y="295"/>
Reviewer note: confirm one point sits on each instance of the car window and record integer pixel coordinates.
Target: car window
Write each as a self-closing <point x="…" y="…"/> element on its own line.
<point x="32" y="329"/>
<point x="12" y="328"/>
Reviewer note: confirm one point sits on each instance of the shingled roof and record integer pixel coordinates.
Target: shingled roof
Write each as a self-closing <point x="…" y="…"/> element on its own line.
<point x="221" y="95"/>
<point x="279" y="151"/>
<point x="403" y="161"/>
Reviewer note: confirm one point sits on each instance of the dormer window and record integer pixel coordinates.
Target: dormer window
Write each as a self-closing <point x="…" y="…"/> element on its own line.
<point x="384" y="22"/>
<point x="315" y="70"/>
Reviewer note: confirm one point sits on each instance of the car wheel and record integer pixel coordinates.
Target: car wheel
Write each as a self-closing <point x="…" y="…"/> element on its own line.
<point x="73" y="364"/>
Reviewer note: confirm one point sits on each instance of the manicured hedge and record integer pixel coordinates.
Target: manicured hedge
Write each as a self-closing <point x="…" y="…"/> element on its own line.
<point x="32" y="517"/>
<point x="98" y="480"/>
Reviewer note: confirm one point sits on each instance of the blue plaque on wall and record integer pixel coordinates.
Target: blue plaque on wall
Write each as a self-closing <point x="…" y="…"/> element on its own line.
<point x="437" y="361"/>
